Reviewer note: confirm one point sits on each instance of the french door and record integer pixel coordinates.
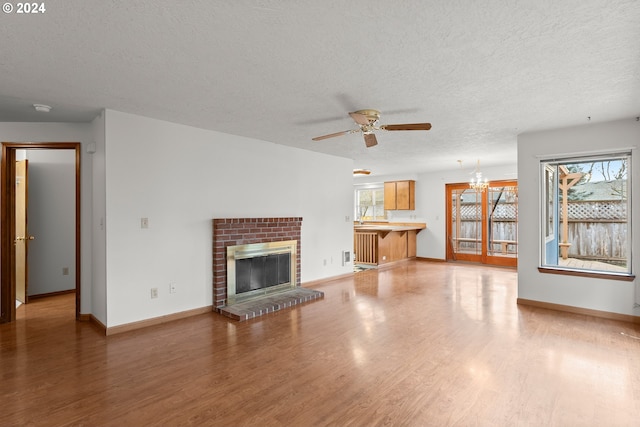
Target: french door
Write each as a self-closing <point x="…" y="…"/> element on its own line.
<point x="482" y="226"/>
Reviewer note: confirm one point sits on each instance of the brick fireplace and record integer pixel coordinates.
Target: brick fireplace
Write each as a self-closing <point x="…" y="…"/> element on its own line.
<point x="241" y="231"/>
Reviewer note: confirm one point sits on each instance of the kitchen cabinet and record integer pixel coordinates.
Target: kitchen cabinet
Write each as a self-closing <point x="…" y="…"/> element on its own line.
<point x="400" y="195"/>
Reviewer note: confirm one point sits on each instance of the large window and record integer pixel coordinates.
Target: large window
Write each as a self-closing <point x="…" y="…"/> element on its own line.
<point x="585" y="214"/>
<point x="369" y="203"/>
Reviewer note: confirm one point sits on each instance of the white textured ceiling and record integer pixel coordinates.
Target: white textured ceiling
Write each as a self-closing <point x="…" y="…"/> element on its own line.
<point x="285" y="71"/>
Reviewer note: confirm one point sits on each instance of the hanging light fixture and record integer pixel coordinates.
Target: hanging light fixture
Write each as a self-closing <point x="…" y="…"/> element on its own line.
<point x="361" y="172"/>
<point x="479" y="183"/>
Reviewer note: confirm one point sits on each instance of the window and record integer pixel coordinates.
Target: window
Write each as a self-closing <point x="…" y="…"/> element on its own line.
<point x="585" y="214"/>
<point x="369" y="203"/>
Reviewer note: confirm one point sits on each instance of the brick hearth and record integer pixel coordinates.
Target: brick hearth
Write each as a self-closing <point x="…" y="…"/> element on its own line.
<point x="271" y="303"/>
<point x="241" y="231"/>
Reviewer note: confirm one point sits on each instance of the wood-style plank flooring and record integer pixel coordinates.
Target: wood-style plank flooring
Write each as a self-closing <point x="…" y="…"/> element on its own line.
<point x="420" y="344"/>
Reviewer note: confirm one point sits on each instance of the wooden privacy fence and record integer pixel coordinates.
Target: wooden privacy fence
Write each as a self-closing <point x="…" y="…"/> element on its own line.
<point x="598" y="229"/>
<point x="598" y="240"/>
<point x="504" y="231"/>
<point x="503" y="237"/>
<point x="597" y="210"/>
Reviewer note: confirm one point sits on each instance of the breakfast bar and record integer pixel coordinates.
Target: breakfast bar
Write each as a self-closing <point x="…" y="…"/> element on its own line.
<point x="382" y="243"/>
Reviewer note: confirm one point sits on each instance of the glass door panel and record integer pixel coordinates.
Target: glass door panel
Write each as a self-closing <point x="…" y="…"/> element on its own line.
<point x="502" y="221"/>
<point x="465" y="224"/>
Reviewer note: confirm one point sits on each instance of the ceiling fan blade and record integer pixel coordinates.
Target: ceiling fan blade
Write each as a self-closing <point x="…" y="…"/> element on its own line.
<point x="331" y="135"/>
<point x="408" y="126"/>
<point x="360" y="119"/>
<point x="370" y="140"/>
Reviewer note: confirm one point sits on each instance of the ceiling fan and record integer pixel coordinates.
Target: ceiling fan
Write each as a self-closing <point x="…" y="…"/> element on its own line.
<point x="368" y="122"/>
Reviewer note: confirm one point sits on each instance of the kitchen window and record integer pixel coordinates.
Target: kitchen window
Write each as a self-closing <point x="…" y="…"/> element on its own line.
<point x="369" y="203"/>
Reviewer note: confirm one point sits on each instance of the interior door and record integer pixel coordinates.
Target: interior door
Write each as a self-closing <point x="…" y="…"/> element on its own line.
<point x="482" y="225"/>
<point x="22" y="235"/>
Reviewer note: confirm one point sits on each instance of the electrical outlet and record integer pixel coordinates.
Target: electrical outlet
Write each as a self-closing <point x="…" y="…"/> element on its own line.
<point x="65" y="271"/>
<point x="144" y="222"/>
<point x="172" y="288"/>
<point x="154" y="293"/>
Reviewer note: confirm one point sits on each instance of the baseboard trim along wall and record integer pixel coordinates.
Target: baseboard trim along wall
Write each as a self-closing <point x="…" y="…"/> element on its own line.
<point x="579" y="310"/>
<point x="424" y="259"/>
<point x="325" y="280"/>
<point x="52" y="294"/>
<point x="94" y="321"/>
<point x="144" y="323"/>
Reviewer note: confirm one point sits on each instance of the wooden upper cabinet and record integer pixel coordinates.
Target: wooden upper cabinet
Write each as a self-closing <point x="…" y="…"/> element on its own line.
<point x="389" y="196"/>
<point x="400" y="195"/>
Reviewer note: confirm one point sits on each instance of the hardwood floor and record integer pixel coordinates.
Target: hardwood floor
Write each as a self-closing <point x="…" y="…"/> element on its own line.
<point x="420" y="344"/>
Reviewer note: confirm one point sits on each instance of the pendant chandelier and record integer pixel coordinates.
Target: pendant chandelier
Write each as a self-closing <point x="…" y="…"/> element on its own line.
<point x="479" y="183"/>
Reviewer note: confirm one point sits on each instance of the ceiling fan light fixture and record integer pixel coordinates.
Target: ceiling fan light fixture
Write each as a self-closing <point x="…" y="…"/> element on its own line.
<point x="361" y="171"/>
<point x="367" y="121"/>
<point x="42" y="108"/>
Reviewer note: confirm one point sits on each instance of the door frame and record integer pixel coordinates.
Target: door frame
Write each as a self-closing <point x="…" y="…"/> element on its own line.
<point x="7" y="222"/>
<point x="22" y="283"/>
<point x="484" y="257"/>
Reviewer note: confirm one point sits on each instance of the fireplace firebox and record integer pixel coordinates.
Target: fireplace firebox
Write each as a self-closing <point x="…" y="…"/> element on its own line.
<point x="258" y="269"/>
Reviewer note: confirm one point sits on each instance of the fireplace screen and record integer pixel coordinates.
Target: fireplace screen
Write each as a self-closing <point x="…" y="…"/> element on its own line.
<point x="257" y="269"/>
<point x="262" y="272"/>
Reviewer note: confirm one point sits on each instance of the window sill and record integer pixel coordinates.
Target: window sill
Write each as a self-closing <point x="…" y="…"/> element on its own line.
<point x="599" y="275"/>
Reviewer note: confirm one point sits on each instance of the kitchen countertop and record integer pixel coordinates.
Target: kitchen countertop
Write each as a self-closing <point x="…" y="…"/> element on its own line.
<point x="390" y="227"/>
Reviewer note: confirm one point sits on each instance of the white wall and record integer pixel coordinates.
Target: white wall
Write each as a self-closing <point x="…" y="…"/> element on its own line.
<point x="51" y="219"/>
<point x="597" y="294"/>
<point x="180" y="178"/>
<point x="65" y="132"/>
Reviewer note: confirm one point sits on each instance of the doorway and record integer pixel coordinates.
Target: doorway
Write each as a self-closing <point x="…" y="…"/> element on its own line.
<point x="8" y="236"/>
<point x="482" y="226"/>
